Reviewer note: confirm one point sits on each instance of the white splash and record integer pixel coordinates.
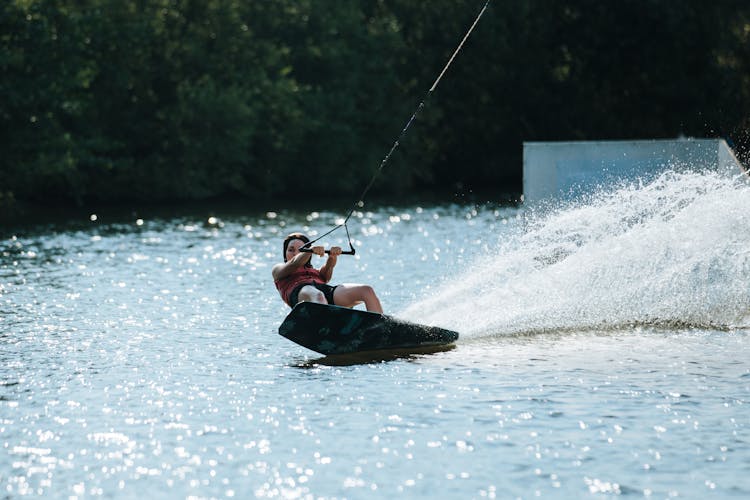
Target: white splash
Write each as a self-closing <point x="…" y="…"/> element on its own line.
<point x="675" y="251"/>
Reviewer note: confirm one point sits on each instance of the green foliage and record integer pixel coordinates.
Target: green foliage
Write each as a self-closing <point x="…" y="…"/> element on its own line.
<point x="187" y="99"/>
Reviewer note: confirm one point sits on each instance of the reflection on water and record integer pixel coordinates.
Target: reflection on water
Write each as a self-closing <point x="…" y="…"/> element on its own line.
<point x="367" y="357"/>
<point x="140" y="358"/>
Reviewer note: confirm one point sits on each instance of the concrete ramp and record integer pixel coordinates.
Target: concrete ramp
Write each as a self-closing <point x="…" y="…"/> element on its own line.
<point x="569" y="169"/>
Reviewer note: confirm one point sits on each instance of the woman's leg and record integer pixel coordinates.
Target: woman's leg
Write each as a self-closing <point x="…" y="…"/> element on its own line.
<point x="309" y="293"/>
<point x="350" y="295"/>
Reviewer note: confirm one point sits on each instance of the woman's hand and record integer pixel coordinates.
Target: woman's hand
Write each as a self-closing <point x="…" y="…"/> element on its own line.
<point x="334" y="251"/>
<point x="318" y="250"/>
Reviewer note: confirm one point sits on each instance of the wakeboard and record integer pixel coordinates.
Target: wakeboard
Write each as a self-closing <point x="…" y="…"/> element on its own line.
<point x="333" y="330"/>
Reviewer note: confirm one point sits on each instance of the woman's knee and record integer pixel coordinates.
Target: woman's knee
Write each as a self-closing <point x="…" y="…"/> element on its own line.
<point x="366" y="292"/>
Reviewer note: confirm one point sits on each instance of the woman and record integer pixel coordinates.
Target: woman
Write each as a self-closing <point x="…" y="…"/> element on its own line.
<point x="298" y="281"/>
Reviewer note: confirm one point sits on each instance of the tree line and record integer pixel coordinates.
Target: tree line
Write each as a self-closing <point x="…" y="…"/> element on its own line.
<point x="147" y="100"/>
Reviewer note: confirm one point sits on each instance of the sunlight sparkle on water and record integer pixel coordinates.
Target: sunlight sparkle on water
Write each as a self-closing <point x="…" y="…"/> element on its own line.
<point x="603" y="352"/>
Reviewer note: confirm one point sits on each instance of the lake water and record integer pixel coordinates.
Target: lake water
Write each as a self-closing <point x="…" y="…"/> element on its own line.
<point x="604" y="351"/>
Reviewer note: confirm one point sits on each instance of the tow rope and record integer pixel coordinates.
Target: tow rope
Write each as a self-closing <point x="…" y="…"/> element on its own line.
<point x="360" y="201"/>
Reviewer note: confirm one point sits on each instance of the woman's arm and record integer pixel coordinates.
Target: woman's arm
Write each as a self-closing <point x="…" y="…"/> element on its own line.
<point x="326" y="272"/>
<point x="285" y="269"/>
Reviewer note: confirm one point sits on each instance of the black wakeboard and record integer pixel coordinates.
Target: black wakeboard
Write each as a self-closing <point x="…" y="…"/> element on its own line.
<point x="339" y="330"/>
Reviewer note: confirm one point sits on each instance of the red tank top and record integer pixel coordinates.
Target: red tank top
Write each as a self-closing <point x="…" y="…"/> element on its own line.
<point x="303" y="275"/>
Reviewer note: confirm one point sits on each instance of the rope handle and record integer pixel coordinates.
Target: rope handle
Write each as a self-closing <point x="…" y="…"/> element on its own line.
<point x="343" y="252"/>
<point x="306" y="249"/>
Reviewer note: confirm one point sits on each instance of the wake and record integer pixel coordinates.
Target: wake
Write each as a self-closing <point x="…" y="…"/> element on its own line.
<point x="672" y="252"/>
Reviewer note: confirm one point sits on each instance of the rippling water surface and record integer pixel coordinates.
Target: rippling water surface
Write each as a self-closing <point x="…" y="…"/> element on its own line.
<point x="604" y="351"/>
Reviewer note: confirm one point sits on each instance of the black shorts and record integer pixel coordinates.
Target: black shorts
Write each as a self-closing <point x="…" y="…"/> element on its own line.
<point x="326" y="289"/>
